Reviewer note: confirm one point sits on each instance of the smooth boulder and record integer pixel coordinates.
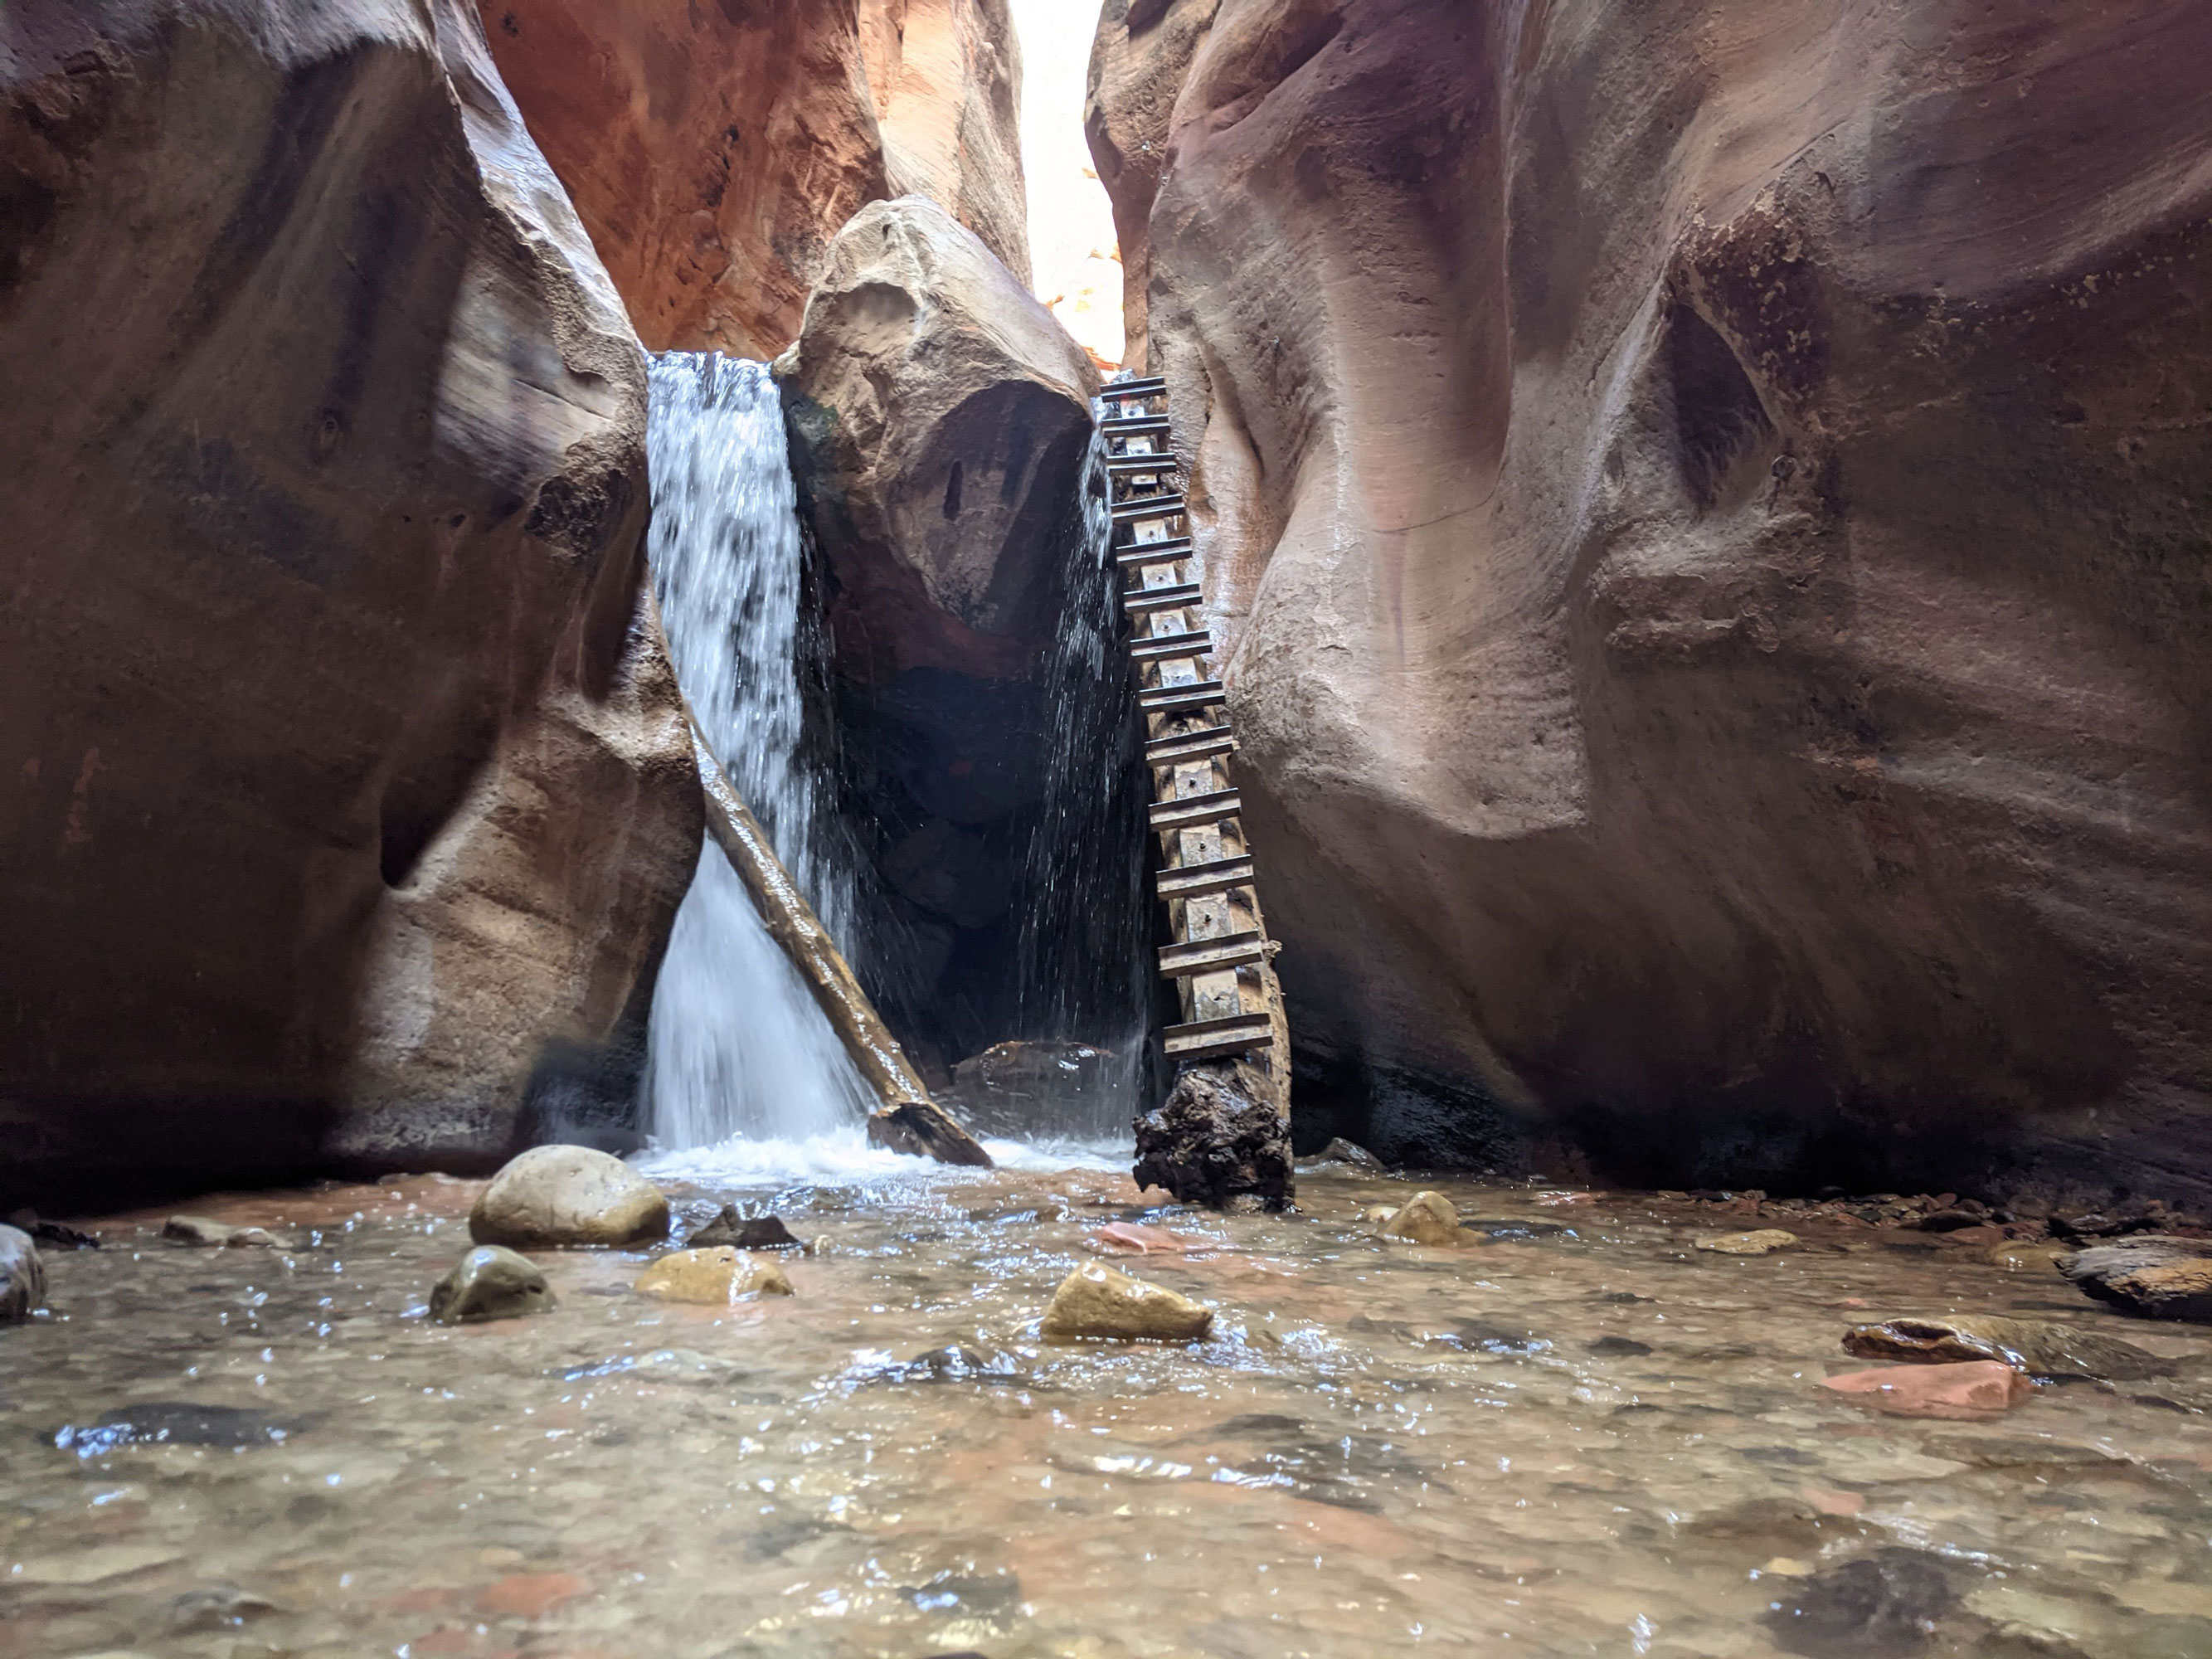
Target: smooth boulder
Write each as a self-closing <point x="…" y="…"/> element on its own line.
<point x="560" y="1195"/>
<point x="1096" y="1301"/>
<point x="716" y="1275"/>
<point x="490" y="1282"/>
<point x="2152" y="1276"/>
<point x="23" y="1276"/>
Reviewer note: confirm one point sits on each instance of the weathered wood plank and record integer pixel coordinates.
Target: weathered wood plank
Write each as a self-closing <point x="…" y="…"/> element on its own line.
<point x="1210" y="956"/>
<point x="1165" y="815"/>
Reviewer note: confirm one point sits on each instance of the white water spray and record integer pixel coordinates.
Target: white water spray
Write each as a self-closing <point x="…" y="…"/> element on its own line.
<point x="738" y="1047"/>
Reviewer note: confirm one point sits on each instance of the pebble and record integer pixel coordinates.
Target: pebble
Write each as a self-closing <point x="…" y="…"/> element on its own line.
<point x="717" y="1275"/>
<point x="1425" y="1218"/>
<point x="203" y="1230"/>
<point x="565" y="1196"/>
<point x="1096" y="1301"/>
<point x="490" y="1282"/>
<point x="1971" y="1388"/>
<point x="23" y="1276"/>
<point x="1764" y="1241"/>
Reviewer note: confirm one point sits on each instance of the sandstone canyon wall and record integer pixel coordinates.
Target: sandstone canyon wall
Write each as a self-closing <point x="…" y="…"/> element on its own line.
<point x="713" y="150"/>
<point x="1708" y="499"/>
<point x="346" y="797"/>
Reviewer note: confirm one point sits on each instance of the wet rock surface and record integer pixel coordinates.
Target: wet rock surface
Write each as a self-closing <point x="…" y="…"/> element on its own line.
<point x="1097" y="1302"/>
<point x="1967" y="1388"/>
<point x="1884" y="1605"/>
<point x="1425" y="1218"/>
<point x="2153" y="1276"/>
<point x="717" y="1275"/>
<point x="490" y="1282"/>
<point x="924" y="1129"/>
<point x="2039" y="1347"/>
<point x="23" y="1277"/>
<point x="1216" y="1139"/>
<point x="568" y="1195"/>
<point x="1765" y="1240"/>
<point x="1025" y="1091"/>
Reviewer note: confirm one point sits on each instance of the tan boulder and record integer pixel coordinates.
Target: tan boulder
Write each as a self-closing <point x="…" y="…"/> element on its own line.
<point x="1637" y="459"/>
<point x="717" y="1275"/>
<point x="558" y="1196"/>
<point x="1764" y="1241"/>
<point x="1425" y="1218"/>
<point x="1096" y="1301"/>
<point x="348" y="809"/>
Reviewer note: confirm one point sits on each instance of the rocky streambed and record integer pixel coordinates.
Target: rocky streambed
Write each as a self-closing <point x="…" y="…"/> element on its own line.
<point x="1568" y="1430"/>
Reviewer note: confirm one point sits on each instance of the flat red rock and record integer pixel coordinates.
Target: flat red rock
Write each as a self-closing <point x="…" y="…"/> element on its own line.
<point x="1979" y="1388"/>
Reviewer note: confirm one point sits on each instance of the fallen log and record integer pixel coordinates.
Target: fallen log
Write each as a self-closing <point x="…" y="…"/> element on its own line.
<point x="906" y="1120"/>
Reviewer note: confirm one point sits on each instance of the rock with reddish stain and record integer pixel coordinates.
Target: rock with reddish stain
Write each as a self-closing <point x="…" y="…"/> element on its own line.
<point x="1980" y="1387"/>
<point x="531" y="1595"/>
<point x="1150" y="1241"/>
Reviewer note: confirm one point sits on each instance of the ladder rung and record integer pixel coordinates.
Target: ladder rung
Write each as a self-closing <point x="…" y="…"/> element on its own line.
<point x="1156" y="461"/>
<point x="1142" y="601"/>
<point x="1191" y="746"/>
<point x="1180" y="699"/>
<point x="1138" y="555"/>
<point x="1123" y="389"/>
<point x="1173" y="648"/>
<point x="1217" y="1039"/>
<point x="1195" y="810"/>
<point x="1190" y="881"/>
<point x="1212" y="956"/>
<point x="1148" y="507"/>
<point x="1133" y="426"/>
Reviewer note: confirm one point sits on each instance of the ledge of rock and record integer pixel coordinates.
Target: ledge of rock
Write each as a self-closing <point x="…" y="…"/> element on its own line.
<point x="350" y="798"/>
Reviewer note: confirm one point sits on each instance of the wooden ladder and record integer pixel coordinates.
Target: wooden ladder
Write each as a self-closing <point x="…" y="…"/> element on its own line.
<point x="1220" y="952"/>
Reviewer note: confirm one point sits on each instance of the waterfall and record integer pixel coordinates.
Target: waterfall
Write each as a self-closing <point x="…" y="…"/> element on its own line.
<point x="739" y="1047"/>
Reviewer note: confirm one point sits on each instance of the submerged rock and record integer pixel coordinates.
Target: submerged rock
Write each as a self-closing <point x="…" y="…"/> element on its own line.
<point x="203" y="1230"/>
<point x="718" y="1274"/>
<point x="1763" y="1242"/>
<point x="23" y="1276"/>
<point x="2038" y="1346"/>
<point x="759" y="1232"/>
<point x="2153" y="1276"/>
<point x="490" y="1282"/>
<point x="1340" y="1155"/>
<point x="1886" y="1604"/>
<point x="1216" y="1137"/>
<point x="217" y="1607"/>
<point x="177" y="1422"/>
<point x="1965" y="1388"/>
<point x="1095" y="1300"/>
<point x="1425" y="1218"/>
<point x="556" y="1195"/>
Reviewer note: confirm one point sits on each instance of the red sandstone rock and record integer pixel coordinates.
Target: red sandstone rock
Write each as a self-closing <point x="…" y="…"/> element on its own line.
<point x="1151" y="1241"/>
<point x="347" y="799"/>
<point x="1979" y="1388"/>
<point x="1704" y="501"/>
<point x="713" y="150"/>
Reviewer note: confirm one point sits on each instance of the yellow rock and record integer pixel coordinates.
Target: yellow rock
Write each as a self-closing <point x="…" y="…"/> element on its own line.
<point x="1764" y="1241"/>
<point x="1787" y="1566"/>
<point x="1096" y="1301"/>
<point x="1425" y="1218"/>
<point x="717" y="1275"/>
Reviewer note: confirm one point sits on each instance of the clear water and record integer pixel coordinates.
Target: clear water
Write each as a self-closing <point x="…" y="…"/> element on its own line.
<point x="738" y="1045"/>
<point x="1587" y="1441"/>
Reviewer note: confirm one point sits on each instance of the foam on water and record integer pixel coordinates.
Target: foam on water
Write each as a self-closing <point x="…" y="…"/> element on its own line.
<point x="843" y="1157"/>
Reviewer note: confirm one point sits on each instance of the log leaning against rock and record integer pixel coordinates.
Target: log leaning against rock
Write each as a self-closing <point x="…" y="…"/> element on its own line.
<point x="906" y="1120"/>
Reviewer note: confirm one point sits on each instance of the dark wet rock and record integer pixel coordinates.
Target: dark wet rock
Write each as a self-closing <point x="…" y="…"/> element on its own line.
<point x="1887" y="1603"/>
<point x="1020" y="1089"/>
<point x="1480" y="1336"/>
<point x="23" y="1276"/>
<point x="2099" y="1223"/>
<point x="957" y="1363"/>
<point x="2039" y="1347"/>
<point x="178" y="1422"/>
<point x="1619" y="1347"/>
<point x="560" y="1195"/>
<point x="2152" y="1275"/>
<point x="204" y="1232"/>
<point x="759" y="1232"/>
<point x="1339" y="1156"/>
<point x="1216" y="1137"/>
<point x="1517" y="1231"/>
<point x="490" y="1282"/>
<point x="922" y="1128"/>
<point x="52" y="1233"/>
<point x="975" y="1596"/>
<point x="1949" y="1221"/>
<point x="217" y="1607"/>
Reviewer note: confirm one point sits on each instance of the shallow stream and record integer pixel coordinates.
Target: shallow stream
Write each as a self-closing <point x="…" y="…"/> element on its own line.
<point x="1583" y="1437"/>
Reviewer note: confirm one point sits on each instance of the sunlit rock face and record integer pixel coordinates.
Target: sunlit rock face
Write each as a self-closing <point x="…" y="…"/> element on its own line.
<point x="1708" y="502"/>
<point x="347" y="801"/>
<point x="713" y="150"/>
<point x="939" y="423"/>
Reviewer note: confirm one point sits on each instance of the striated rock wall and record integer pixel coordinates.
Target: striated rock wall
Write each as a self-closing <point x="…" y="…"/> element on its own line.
<point x="1707" y="501"/>
<point x="344" y="800"/>
<point x="713" y="150"/>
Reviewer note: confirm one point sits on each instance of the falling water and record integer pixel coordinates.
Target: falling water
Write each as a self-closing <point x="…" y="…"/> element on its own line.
<point x="739" y="1047"/>
<point x="1083" y="950"/>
